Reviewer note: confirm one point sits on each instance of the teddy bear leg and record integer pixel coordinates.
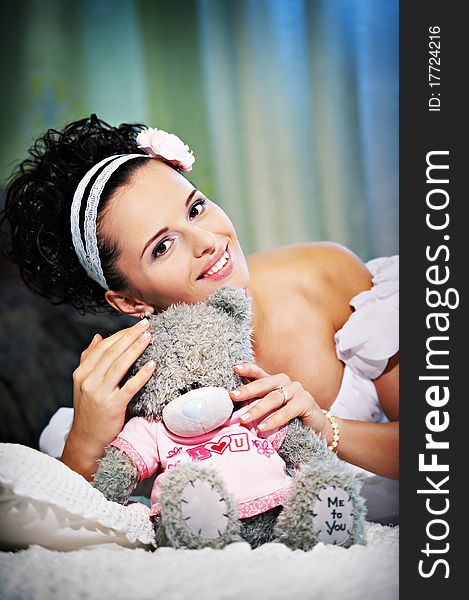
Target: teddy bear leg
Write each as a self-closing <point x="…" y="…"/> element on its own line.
<point x="196" y="510"/>
<point x="325" y="506"/>
<point x="259" y="529"/>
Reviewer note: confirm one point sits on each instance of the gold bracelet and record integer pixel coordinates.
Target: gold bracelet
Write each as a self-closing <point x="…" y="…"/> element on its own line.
<point x="335" y="431"/>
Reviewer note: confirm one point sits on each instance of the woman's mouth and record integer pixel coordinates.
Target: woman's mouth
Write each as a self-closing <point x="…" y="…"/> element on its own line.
<point x="222" y="268"/>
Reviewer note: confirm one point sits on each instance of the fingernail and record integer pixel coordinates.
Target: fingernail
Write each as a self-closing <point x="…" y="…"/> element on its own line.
<point x="261" y="426"/>
<point x="145" y="336"/>
<point x="151" y="364"/>
<point x="239" y="367"/>
<point x="236" y="393"/>
<point x="245" y="416"/>
<point x="143" y="324"/>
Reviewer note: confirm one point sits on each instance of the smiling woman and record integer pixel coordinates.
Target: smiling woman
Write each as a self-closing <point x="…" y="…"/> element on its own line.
<point x="143" y="237"/>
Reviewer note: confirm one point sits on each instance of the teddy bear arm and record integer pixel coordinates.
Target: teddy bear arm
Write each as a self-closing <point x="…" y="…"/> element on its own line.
<point x="301" y="445"/>
<point x="117" y="475"/>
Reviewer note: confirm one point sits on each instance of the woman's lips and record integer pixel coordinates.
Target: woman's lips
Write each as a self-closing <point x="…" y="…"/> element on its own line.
<point x="223" y="272"/>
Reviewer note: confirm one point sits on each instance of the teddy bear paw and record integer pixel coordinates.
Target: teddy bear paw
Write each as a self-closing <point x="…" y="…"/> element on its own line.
<point x="332" y="515"/>
<point x="204" y="509"/>
<point x="200" y="514"/>
<point x="325" y="506"/>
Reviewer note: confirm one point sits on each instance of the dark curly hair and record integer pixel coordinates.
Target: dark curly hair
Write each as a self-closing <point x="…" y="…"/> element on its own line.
<point x="37" y="211"/>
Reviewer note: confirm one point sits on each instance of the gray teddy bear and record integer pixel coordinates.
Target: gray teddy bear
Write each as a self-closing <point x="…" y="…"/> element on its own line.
<point x="219" y="481"/>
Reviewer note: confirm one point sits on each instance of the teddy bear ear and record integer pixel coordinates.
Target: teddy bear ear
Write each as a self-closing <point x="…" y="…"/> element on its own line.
<point x="233" y="301"/>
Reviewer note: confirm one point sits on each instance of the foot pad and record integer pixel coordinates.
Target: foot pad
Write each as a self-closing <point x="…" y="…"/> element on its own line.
<point x="204" y="509"/>
<point x="332" y="515"/>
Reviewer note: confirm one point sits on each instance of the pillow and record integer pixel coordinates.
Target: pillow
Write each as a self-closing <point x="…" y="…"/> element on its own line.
<point x="44" y="502"/>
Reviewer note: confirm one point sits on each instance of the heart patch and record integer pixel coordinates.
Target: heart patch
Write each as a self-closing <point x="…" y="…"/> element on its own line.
<point x="221" y="445"/>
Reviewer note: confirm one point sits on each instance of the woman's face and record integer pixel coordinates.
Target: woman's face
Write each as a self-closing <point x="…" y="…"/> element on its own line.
<point x="170" y="236"/>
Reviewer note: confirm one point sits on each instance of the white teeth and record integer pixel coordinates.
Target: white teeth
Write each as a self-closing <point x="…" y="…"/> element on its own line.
<point x="219" y="265"/>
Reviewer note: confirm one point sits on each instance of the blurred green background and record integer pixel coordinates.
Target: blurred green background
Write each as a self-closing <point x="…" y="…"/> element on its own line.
<point x="290" y="106"/>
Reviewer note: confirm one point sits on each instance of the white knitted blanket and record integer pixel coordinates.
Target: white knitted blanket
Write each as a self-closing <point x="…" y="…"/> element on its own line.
<point x="48" y="507"/>
<point x="271" y="571"/>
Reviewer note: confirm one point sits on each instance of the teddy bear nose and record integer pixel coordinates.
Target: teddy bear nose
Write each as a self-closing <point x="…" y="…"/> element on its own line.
<point x="194" y="408"/>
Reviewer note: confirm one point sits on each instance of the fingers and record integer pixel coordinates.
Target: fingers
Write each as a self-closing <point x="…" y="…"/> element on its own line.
<point x="250" y="371"/>
<point x="278" y="419"/>
<point x="274" y="410"/>
<point x="275" y="401"/>
<point x="263" y="383"/>
<point x="99" y="358"/>
<point x="301" y="405"/>
<point x="135" y="383"/>
<point x="122" y="362"/>
<point x="96" y="339"/>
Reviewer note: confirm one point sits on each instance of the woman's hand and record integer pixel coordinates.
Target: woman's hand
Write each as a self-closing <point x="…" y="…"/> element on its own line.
<point x="298" y="402"/>
<point x="99" y="402"/>
<point x="372" y="446"/>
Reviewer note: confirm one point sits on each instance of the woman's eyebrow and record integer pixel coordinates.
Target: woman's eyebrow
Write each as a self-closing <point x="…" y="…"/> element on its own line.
<point x="165" y="229"/>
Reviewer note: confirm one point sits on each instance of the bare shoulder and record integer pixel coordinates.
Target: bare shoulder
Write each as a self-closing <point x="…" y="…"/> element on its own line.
<point x="326" y="274"/>
<point x="338" y="266"/>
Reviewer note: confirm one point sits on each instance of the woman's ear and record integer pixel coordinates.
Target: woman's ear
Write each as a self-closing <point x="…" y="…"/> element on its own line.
<point x="128" y="305"/>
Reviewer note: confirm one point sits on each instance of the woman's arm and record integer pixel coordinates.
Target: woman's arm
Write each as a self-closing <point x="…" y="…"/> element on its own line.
<point x="332" y="276"/>
<point x="372" y="446"/>
<point x="80" y="455"/>
<point x="98" y="400"/>
<point x="375" y="446"/>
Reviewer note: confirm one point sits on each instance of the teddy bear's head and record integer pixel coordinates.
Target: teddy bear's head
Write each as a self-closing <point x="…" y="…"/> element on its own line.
<point x="195" y="347"/>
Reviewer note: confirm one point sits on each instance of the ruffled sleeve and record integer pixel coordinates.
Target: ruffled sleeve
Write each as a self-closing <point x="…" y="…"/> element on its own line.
<point x="371" y="334"/>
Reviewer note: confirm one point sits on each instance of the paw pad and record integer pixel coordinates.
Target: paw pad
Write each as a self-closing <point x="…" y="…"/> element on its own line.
<point x="204" y="510"/>
<point x="332" y="515"/>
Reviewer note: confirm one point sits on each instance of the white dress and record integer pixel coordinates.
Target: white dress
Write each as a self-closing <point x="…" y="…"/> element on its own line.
<point x="364" y="344"/>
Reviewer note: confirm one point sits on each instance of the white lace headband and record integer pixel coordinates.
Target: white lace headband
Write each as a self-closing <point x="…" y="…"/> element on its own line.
<point x="157" y="144"/>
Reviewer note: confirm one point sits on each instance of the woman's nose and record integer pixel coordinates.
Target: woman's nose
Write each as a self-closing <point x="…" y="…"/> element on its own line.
<point x="204" y="242"/>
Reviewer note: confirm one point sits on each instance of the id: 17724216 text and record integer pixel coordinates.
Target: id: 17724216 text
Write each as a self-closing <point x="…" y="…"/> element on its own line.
<point x="434" y="80"/>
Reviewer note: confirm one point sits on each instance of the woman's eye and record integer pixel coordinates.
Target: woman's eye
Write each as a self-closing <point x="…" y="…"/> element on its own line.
<point x="197" y="208"/>
<point x="161" y="249"/>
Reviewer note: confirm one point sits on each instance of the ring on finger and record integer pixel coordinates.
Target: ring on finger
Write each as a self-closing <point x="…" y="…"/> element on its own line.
<point x="283" y="391"/>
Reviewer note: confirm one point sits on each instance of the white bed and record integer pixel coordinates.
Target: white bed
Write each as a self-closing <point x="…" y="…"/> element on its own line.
<point x="93" y="561"/>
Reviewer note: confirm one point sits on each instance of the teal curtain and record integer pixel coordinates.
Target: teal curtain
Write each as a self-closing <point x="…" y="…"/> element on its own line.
<point x="290" y="106"/>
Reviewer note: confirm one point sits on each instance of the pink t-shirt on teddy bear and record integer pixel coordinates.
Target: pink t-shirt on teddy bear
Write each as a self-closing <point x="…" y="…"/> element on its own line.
<point x="252" y="470"/>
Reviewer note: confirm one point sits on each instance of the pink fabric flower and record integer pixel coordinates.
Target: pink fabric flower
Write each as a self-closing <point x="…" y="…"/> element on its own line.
<point x="166" y="146"/>
<point x="263" y="447"/>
